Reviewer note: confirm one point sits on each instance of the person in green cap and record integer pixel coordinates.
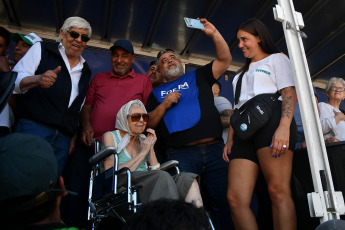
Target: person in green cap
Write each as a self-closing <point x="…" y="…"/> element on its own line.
<point x="23" y="44"/>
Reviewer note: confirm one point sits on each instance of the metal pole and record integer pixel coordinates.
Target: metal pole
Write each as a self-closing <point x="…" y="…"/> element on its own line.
<point x="323" y="202"/>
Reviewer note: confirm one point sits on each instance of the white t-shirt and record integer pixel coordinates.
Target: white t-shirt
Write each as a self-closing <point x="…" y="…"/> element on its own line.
<point x="329" y="127"/>
<point x="268" y="75"/>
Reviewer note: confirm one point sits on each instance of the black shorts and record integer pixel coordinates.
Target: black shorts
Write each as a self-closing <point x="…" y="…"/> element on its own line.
<point x="263" y="138"/>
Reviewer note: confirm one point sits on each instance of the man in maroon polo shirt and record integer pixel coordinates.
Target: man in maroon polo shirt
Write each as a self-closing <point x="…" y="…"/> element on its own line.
<point x="107" y="93"/>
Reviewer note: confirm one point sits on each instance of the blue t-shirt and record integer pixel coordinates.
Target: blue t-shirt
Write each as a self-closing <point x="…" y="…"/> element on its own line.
<point x="209" y="124"/>
<point x="176" y="119"/>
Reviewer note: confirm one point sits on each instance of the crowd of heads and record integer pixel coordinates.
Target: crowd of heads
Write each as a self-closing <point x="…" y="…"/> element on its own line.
<point x="23" y="42"/>
<point x="31" y="185"/>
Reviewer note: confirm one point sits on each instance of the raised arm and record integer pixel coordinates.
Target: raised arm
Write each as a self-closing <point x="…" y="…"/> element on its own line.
<point x="223" y="55"/>
<point x="154" y="164"/>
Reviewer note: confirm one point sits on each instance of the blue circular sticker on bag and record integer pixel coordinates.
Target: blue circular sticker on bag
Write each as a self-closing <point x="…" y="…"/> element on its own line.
<point x="243" y="127"/>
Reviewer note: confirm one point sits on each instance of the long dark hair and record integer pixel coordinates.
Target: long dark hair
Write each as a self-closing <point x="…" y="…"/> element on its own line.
<point x="255" y="27"/>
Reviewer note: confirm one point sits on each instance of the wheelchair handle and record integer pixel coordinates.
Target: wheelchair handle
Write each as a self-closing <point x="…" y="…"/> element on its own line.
<point x="101" y="155"/>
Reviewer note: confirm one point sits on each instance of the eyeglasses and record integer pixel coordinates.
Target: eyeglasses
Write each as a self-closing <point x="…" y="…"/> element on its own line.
<point x="137" y="116"/>
<point x="341" y="89"/>
<point x="76" y="35"/>
<point x="164" y="51"/>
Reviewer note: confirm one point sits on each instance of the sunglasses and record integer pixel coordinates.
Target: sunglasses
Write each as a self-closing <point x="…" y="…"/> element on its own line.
<point x="137" y="116"/>
<point x="163" y="52"/>
<point x="76" y="35"/>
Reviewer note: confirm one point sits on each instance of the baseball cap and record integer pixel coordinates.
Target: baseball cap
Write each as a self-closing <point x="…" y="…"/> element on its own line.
<point x="28" y="171"/>
<point x="30" y="38"/>
<point x="124" y="44"/>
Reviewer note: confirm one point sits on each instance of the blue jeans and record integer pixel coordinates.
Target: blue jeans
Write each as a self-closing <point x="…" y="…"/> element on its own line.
<point x="207" y="162"/>
<point x="59" y="141"/>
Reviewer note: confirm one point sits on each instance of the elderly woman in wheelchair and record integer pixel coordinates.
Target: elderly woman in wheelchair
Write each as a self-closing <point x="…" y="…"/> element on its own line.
<point x="136" y="152"/>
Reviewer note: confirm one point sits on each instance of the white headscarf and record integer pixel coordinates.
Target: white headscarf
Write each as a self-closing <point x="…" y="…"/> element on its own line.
<point x="122" y="123"/>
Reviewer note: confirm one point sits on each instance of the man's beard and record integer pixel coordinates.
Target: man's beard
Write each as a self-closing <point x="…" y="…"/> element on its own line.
<point x="119" y="71"/>
<point x="173" y="72"/>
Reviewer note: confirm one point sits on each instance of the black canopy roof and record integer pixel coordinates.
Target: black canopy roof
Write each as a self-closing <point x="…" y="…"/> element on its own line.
<point x="155" y="24"/>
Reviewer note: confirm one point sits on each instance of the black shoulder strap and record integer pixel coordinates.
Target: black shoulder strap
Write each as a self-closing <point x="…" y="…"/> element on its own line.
<point x="238" y="88"/>
<point x="277" y="94"/>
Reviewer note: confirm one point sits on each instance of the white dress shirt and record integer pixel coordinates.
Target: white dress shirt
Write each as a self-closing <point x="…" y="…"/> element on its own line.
<point x="28" y="65"/>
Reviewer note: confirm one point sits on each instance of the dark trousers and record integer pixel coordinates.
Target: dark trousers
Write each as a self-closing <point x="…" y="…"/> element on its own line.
<point x="76" y="176"/>
<point x="4" y="131"/>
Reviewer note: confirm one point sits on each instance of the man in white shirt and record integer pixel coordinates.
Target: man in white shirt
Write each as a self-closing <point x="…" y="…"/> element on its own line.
<point x="23" y="44"/>
<point x="53" y="79"/>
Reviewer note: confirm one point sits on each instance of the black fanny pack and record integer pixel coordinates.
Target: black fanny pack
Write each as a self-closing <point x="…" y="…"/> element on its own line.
<point x="253" y="114"/>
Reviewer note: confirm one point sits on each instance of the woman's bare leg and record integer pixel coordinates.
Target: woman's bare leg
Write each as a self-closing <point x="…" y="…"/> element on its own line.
<point x="277" y="172"/>
<point x="241" y="182"/>
<point x="193" y="195"/>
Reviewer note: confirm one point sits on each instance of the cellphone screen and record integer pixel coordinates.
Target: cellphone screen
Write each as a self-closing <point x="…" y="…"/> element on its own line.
<point x="194" y="23"/>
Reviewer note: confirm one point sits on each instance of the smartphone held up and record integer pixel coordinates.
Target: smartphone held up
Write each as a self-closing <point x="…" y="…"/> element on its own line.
<point x="194" y="23"/>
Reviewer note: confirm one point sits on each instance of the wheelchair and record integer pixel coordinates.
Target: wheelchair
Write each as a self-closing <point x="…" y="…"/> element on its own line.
<point x="108" y="197"/>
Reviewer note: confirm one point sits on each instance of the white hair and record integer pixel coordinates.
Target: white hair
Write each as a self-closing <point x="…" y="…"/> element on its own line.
<point x="334" y="80"/>
<point x="76" y="22"/>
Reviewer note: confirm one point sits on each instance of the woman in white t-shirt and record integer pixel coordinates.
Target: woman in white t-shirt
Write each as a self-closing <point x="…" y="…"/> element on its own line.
<point x="271" y="148"/>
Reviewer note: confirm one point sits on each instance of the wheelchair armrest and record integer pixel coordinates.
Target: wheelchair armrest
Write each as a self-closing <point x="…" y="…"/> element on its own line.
<point x="169" y="164"/>
<point x="101" y="155"/>
<point x="122" y="170"/>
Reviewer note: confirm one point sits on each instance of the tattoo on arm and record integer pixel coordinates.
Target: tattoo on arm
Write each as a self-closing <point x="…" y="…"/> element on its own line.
<point x="287" y="107"/>
<point x="225" y="117"/>
<point x="225" y="114"/>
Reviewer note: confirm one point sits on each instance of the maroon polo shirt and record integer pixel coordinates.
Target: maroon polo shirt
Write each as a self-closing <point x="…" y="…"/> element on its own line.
<point x="108" y="93"/>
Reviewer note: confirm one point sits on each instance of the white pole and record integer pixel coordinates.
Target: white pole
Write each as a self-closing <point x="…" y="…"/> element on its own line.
<point x="321" y="204"/>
